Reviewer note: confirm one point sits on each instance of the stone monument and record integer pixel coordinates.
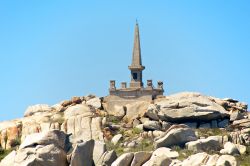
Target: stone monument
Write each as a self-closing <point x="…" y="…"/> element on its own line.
<point x="136" y="88"/>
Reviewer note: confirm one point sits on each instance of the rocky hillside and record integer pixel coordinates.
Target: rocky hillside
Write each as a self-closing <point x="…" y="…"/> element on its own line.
<point x="177" y="130"/>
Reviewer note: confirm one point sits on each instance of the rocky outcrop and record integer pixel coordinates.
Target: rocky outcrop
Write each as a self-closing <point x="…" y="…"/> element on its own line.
<point x="152" y="125"/>
<point x="44" y="155"/>
<point x="73" y="131"/>
<point x="233" y="149"/>
<point x="10" y="133"/>
<point x="94" y="102"/>
<point x="189" y="107"/>
<point x="176" y="135"/>
<point x="162" y="156"/>
<point x="55" y="137"/>
<point x="45" y="149"/>
<point x="140" y="158"/>
<point x="51" y="148"/>
<point x="227" y="160"/>
<point x="166" y="151"/>
<point x="81" y="123"/>
<point x="193" y="109"/>
<point x="208" y="144"/>
<point x="241" y="124"/>
<point x="135" y="110"/>
<point x="159" y="158"/>
<point x="36" y="124"/>
<point x="77" y="120"/>
<point x="200" y="159"/>
<point x="126" y="109"/>
<point x="107" y="158"/>
<point x="117" y="111"/>
<point x="98" y="151"/>
<point x="231" y="104"/>
<point x="124" y="160"/>
<point x="37" y="110"/>
<point x="241" y="137"/>
<point x="206" y="159"/>
<point x="152" y="112"/>
<point x="82" y="154"/>
<point x="79" y="109"/>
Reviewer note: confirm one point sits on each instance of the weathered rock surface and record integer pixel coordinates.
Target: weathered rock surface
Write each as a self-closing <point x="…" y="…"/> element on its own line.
<point x="99" y="150"/>
<point x="152" y="125"/>
<point x="116" y="139"/>
<point x="95" y="102"/>
<point x="117" y="111"/>
<point x="241" y="124"/>
<point x="241" y="137"/>
<point x="135" y="110"/>
<point x="45" y="149"/>
<point x="196" y="160"/>
<point x="124" y="160"/>
<point x="107" y="158"/>
<point x="225" y="160"/>
<point x="79" y="109"/>
<point x="140" y="158"/>
<point x="242" y="149"/>
<point x="37" y="109"/>
<point x="49" y="155"/>
<point x="80" y="122"/>
<point x="189" y="106"/>
<point x="158" y="158"/>
<point x="203" y="158"/>
<point x="166" y="151"/>
<point x="230" y="148"/>
<point x="10" y="132"/>
<point x="55" y="137"/>
<point x="236" y="115"/>
<point x="208" y="144"/>
<point x="152" y="112"/>
<point x="36" y="124"/>
<point x="44" y="142"/>
<point x="176" y="136"/>
<point x="126" y="109"/>
<point x="83" y="154"/>
<point x="76" y="100"/>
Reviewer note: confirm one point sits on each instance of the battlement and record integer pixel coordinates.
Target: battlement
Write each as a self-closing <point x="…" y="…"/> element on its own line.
<point x="132" y="93"/>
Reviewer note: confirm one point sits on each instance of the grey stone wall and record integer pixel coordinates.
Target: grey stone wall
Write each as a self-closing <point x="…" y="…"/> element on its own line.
<point x="136" y="93"/>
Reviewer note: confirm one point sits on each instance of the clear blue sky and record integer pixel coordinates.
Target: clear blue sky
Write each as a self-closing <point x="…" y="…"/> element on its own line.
<point x="52" y="50"/>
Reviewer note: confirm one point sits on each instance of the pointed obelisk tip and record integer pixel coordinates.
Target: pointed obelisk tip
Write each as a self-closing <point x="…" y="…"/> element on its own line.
<point x="136" y="22"/>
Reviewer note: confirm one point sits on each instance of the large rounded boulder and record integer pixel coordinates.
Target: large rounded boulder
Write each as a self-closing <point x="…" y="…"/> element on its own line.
<point x="188" y="106"/>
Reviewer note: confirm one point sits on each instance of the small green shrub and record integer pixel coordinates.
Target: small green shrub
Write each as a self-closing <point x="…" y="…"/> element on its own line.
<point x="4" y="153"/>
<point x="117" y="148"/>
<point x="183" y="153"/>
<point x="136" y="131"/>
<point x="144" y="145"/>
<point x="203" y="132"/>
<point x="132" y="133"/>
<point x="121" y="131"/>
<point x="244" y="160"/>
<point x="113" y="119"/>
